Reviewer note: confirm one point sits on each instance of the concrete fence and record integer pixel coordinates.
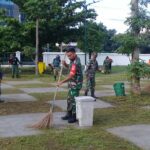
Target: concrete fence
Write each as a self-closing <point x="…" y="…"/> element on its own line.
<point x="118" y="59"/>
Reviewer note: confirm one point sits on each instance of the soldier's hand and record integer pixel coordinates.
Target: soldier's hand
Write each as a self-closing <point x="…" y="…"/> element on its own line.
<point x="59" y="84"/>
<point x="63" y="62"/>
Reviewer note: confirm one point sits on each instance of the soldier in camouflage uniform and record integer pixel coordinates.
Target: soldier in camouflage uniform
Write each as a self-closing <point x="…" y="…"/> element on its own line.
<point x="75" y="79"/>
<point x="91" y="69"/>
<point x="106" y="65"/>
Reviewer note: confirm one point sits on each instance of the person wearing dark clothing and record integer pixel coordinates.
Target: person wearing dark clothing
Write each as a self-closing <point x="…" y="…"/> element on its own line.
<point x="106" y="65"/>
<point x="110" y="63"/>
<point x="14" y="61"/>
<point x="91" y="68"/>
<point x="56" y="66"/>
<point x="74" y="79"/>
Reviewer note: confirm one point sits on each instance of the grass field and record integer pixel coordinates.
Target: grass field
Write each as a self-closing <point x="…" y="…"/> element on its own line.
<point x="128" y="110"/>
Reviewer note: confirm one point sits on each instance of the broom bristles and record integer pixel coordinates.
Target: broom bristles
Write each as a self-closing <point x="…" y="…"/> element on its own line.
<point x="45" y="122"/>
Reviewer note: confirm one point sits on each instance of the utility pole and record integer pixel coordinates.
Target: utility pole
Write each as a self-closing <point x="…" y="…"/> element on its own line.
<point x="85" y="26"/>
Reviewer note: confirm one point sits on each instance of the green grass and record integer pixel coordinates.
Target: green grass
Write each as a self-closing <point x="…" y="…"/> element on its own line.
<point x="127" y="110"/>
<point x="68" y="139"/>
<point x="49" y="96"/>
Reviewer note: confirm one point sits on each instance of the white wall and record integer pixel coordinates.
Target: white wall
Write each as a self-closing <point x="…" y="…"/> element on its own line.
<point x="49" y="56"/>
<point x="118" y="59"/>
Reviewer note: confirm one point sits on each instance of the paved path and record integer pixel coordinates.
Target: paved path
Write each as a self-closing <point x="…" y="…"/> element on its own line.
<point x="97" y="104"/>
<point x="42" y="90"/>
<point x="6" y="86"/>
<point x="103" y="93"/>
<point x="137" y="134"/>
<point x="23" y="82"/>
<point x="17" y="125"/>
<point x="17" y="97"/>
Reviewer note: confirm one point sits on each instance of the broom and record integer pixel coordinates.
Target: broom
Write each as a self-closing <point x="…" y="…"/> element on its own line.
<point x="47" y="121"/>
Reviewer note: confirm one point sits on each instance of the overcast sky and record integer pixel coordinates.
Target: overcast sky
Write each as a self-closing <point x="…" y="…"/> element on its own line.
<point x="112" y="13"/>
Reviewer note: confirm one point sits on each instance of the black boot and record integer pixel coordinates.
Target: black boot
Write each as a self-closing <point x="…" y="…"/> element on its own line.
<point x="93" y="94"/>
<point x="86" y="92"/>
<point x="67" y="116"/>
<point x="72" y="119"/>
<point x="55" y="78"/>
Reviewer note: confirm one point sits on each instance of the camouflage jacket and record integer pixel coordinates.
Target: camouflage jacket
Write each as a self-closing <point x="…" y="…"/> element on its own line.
<point x="77" y="80"/>
<point x="91" y="68"/>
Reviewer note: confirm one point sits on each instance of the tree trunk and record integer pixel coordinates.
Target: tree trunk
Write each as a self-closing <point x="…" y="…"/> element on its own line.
<point x="135" y="81"/>
<point x="37" y="47"/>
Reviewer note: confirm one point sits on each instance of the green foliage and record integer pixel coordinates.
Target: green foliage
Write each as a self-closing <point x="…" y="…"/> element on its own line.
<point x="59" y="20"/>
<point x="39" y="9"/>
<point x="138" y="32"/>
<point x="95" y="37"/>
<point x="139" y="70"/>
<point x="127" y="43"/>
<point x="110" y="44"/>
<point x="139" y="22"/>
<point x="10" y="35"/>
<point x="29" y="51"/>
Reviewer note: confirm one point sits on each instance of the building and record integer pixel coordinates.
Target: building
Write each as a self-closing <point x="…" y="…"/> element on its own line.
<point x="12" y="9"/>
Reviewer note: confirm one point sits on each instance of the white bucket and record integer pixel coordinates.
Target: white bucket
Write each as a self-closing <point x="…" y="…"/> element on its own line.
<point x="84" y="110"/>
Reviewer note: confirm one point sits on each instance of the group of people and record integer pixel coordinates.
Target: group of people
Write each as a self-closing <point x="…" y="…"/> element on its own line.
<point x="75" y="81"/>
<point x="74" y="78"/>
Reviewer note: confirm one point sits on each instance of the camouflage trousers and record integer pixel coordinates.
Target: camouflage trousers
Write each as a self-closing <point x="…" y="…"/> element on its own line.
<point x="56" y="71"/>
<point x="106" y="69"/>
<point x="71" y="104"/>
<point x="90" y="83"/>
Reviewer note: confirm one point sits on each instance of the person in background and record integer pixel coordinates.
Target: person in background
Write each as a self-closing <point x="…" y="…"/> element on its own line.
<point x="91" y="68"/>
<point x="51" y="68"/>
<point x="110" y="63"/>
<point x="10" y="59"/>
<point x="56" y="66"/>
<point x="14" y="62"/>
<point x="75" y="80"/>
<point x="41" y="66"/>
<point x="106" y="65"/>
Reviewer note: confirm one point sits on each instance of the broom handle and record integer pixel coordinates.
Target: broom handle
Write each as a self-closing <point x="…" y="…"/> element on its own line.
<point x="51" y="108"/>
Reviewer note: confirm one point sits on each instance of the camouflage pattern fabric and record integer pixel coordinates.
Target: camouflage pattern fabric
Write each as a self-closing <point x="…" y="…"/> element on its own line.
<point x="106" y="65"/>
<point x="71" y="104"/>
<point x="56" y="71"/>
<point x="74" y="85"/>
<point x="92" y="66"/>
